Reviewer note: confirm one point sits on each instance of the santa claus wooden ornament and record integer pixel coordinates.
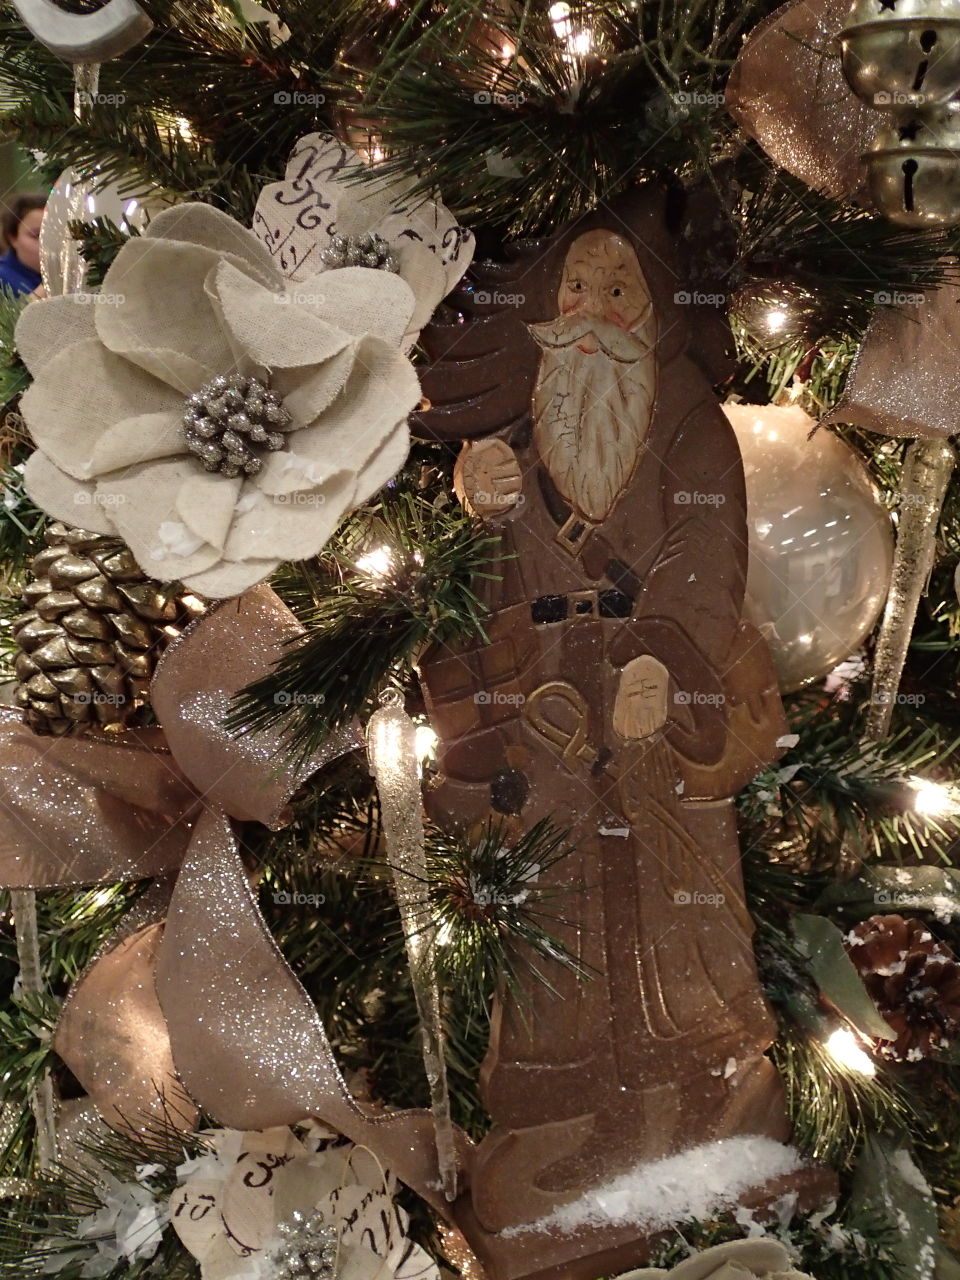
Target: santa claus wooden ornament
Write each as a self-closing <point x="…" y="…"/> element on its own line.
<point x="621" y="695"/>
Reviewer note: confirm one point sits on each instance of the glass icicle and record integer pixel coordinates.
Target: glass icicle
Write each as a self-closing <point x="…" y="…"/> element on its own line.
<point x="926" y="474"/>
<point x="392" y="751"/>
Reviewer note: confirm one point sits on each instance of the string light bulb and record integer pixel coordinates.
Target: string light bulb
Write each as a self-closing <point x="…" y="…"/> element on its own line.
<point x="934" y="799"/>
<point x="427" y="741"/>
<point x="376" y="563"/>
<point x="845" y="1049"/>
<point x="579" y="42"/>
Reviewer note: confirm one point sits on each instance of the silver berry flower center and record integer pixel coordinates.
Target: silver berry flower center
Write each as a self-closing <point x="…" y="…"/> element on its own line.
<point x="232" y="421"/>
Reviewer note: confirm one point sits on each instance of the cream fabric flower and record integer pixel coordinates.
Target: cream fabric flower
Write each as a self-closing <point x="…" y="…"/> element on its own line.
<point x="329" y="191"/>
<point x="739" y="1260"/>
<point x="195" y="297"/>
<point x="230" y="1204"/>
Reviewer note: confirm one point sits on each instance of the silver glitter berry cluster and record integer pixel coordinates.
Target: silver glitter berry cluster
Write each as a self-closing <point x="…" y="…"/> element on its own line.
<point x="231" y="422"/>
<point x="369" y="250"/>
<point x="307" y="1250"/>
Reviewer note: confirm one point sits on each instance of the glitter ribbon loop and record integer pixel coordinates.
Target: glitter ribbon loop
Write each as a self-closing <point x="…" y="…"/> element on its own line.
<point x="231" y="1017"/>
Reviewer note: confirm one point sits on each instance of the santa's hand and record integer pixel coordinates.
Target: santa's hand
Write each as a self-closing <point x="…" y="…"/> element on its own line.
<point x="487" y="478"/>
<point x="641" y="705"/>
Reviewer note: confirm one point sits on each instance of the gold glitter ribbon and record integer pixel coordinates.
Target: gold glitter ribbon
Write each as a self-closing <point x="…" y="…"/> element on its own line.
<point x="226" y="1015"/>
<point x="787" y="90"/>
<point x="905" y="378"/>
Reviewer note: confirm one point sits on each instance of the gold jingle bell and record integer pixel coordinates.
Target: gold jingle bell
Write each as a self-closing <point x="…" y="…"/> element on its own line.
<point x="913" y="169"/>
<point x="899" y="54"/>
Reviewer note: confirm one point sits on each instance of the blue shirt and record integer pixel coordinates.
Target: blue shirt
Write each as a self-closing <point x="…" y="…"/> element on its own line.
<point x="16" y="276"/>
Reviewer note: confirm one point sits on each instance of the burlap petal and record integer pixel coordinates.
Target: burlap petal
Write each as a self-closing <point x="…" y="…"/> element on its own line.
<point x="738" y="1260"/>
<point x="192" y="691"/>
<point x="141" y="439"/>
<point x="85" y="389"/>
<point x="46" y="327"/>
<point x="161" y="284"/>
<point x="113" y="1036"/>
<point x="295" y="525"/>
<point x="361" y="300"/>
<point x="275" y="328"/>
<point x="247" y="1041"/>
<point x="207" y="502"/>
<point x="63" y="497"/>
<point x="306" y="393"/>
<point x="202" y="224"/>
<point x="143" y="505"/>
<point x="230" y="578"/>
<point x="76" y="811"/>
<point x="384" y="463"/>
<point x="905" y="379"/>
<point x="787" y="90"/>
<point x="382" y="390"/>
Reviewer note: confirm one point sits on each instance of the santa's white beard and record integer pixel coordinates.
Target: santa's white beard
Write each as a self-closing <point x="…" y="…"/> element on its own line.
<point x="592" y="412"/>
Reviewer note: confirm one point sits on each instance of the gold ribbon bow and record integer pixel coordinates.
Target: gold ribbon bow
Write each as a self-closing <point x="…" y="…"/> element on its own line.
<point x="203" y="1002"/>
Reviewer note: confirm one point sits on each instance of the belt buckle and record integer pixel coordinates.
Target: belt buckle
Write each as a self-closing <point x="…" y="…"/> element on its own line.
<point x="573" y="533"/>
<point x="590" y="598"/>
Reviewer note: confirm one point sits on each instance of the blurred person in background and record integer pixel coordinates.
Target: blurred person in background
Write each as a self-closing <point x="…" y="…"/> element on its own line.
<point x="20" y="265"/>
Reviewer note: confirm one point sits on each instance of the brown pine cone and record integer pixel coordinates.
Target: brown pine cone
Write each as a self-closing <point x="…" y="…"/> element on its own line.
<point x="914" y="980"/>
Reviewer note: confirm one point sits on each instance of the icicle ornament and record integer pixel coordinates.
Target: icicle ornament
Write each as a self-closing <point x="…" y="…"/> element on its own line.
<point x="394" y="763"/>
<point x="926" y="474"/>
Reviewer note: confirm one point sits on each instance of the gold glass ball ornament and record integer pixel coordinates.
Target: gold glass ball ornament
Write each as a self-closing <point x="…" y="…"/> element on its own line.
<point x="773" y="313"/>
<point x="913" y="168"/>
<point x="902" y="53"/>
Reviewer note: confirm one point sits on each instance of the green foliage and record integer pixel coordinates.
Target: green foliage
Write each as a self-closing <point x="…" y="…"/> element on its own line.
<point x="21" y="529"/>
<point x="100" y="240"/>
<point x="493" y="918"/>
<point x="835" y="796"/>
<point x="852" y="1244"/>
<point x="41" y="1233"/>
<point x="363" y="626"/>
<point x="13" y="374"/>
<point x="848" y="260"/>
<point x="523" y="126"/>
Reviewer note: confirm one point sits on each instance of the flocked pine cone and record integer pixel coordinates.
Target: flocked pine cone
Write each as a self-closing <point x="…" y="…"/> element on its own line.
<point x="914" y="980"/>
<point x="94" y="630"/>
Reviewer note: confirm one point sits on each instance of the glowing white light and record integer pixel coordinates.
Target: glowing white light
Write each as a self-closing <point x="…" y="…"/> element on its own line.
<point x="776" y="319"/>
<point x="376" y="563"/>
<point x="578" y="43"/>
<point x="560" y="17"/>
<point x="844" y="1048"/>
<point x="444" y="934"/>
<point x="933" y="799"/>
<point x="426" y="744"/>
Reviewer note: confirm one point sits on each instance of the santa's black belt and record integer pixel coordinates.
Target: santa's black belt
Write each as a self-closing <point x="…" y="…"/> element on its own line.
<point x="581" y="604"/>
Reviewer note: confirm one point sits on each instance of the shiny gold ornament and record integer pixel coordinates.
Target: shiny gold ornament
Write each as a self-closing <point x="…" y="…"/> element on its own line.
<point x="774" y="313"/>
<point x="94" y="628"/>
<point x="913" y="169"/>
<point x="902" y="53"/>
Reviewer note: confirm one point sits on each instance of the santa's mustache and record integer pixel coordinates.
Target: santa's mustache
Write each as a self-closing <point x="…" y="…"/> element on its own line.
<point x="567" y="331"/>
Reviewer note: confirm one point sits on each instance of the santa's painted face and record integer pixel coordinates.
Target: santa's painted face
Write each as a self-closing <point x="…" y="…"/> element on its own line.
<point x="602" y="278"/>
<point x="596" y="387"/>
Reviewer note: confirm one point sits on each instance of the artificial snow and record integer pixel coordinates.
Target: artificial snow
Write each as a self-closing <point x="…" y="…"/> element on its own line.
<point x="695" y="1184"/>
<point x="909" y="1173"/>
